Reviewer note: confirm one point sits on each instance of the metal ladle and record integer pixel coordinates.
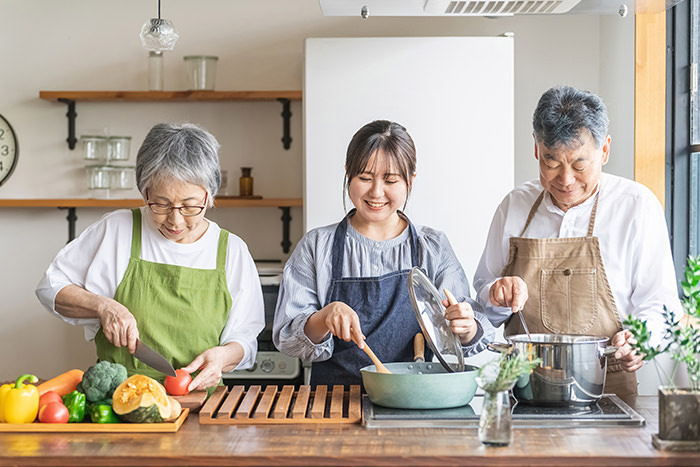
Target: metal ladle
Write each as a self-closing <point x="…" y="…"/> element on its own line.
<point x="520" y="315"/>
<point x="522" y="321"/>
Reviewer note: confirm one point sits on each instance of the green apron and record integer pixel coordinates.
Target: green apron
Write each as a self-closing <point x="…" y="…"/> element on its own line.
<point x="180" y="311"/>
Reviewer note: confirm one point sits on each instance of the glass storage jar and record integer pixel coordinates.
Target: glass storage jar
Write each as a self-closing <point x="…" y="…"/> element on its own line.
<point x="98" y="177"/>
<point x="94" y="148"/>
<point x="200" y="72"/>
<point x="119" y="148"/>
<point x="121" y="178"/>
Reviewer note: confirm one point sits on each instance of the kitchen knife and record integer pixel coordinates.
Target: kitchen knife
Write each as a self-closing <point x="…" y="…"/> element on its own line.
<point x="153" y="359"/>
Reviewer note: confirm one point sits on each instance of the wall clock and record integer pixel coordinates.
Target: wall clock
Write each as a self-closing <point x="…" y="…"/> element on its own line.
<point x="9" y="150"/>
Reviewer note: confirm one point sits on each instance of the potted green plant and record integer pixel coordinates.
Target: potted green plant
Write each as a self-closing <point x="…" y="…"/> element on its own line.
<point x="679" y="407"/>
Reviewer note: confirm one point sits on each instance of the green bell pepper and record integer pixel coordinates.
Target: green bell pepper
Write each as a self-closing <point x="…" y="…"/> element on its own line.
<point x="75" y="403"/>
<point x="103" y="413"/>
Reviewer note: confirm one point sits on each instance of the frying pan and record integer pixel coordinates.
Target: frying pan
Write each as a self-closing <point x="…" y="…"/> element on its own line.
<point x="419" y="384"/>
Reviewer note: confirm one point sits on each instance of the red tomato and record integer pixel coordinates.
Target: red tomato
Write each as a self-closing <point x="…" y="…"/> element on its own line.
<point x="48" y="397"/>
<point x="177" y="385"/>
<point x="54" y="412"/>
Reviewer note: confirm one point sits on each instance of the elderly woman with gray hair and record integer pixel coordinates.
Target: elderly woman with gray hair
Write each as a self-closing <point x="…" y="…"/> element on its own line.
<point x="578" y="250"/>
<point x="163" y="273"/>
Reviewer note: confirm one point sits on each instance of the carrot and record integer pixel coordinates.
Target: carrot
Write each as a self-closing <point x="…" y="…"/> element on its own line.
<point x="63" y="383"/>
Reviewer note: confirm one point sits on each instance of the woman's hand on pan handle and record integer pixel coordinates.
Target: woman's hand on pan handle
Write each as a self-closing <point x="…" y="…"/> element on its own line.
<point x="462" y="322"/>
<point x="509" y="291"/>
<point x="338" y="319"/>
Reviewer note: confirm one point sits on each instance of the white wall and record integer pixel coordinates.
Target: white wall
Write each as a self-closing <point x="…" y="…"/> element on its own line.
<point x="93" y="45"/>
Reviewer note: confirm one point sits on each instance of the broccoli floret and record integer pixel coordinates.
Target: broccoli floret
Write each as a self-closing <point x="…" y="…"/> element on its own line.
<point x="101" y="379"/>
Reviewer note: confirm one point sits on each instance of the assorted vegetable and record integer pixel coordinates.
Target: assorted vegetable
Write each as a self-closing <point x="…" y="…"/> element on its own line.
<point x="102" y="394"/>
<point x="49" y="396"/>
<point x="141" y="399"/>
<point x="75" y="403"/>
<point x="19" y="402"/>
<point x="103" y="413"/>
<point x="61" y="384"/>
<point x="54" y="412"/>
<point x="178" y="385"/>
<point x="101" y="379"/>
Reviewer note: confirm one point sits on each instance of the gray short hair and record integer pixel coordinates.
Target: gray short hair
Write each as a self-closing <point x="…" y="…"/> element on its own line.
<point x="184" y="152"/>
<point x="563" y="112"/>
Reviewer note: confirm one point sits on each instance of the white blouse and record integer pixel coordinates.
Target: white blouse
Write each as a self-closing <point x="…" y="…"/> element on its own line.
<point x="98" y="258"/>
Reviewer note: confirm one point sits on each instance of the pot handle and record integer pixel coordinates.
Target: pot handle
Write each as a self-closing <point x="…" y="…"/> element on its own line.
<point x="609" y="351"/>
<point x="500" y="347"/>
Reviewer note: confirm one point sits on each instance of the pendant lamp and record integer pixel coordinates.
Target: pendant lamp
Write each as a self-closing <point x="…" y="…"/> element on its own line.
<point x="158" y="34"/>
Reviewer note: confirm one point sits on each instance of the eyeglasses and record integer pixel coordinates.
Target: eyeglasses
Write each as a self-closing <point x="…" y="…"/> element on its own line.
<point x="187" y="211"/>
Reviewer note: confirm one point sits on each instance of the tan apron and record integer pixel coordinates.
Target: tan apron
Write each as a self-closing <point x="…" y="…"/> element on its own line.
<point x="568" y="291"/>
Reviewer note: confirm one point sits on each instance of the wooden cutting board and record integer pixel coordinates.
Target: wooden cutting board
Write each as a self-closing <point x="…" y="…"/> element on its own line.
<point x="193" y="401"/>
<point x="36" y="427"/>
<point x="270" y="405"/>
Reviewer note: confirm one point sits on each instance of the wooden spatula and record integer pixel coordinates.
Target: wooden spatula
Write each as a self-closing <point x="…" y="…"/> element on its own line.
<point x="380" y="366"/>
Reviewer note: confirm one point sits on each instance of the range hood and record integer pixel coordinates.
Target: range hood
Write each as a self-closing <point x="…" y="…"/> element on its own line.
<point x="450" y="8"/>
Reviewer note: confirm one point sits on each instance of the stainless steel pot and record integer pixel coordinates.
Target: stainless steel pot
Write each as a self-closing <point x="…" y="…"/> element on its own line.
<point x="419" y="385"/>
<point x="572" y="371"/>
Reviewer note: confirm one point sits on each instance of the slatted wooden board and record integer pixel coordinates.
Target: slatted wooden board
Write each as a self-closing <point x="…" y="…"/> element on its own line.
<point x="270" y="405"/>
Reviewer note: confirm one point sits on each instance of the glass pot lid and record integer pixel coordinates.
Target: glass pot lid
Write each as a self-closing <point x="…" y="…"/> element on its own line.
<point x="427" y="304"/>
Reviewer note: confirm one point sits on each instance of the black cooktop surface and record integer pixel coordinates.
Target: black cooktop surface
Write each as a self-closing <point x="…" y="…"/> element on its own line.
<point x="610" y="410"/>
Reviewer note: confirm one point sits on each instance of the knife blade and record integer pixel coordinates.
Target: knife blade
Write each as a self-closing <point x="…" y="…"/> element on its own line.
<point x="153" y="359"/>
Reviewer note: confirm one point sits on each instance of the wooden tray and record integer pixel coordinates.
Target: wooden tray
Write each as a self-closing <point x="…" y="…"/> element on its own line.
<point x="37" y="427"/>
<point x="287" y="406"/>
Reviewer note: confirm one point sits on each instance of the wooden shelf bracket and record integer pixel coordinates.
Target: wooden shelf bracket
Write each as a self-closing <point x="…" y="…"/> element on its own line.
<point x="71" y="114"/>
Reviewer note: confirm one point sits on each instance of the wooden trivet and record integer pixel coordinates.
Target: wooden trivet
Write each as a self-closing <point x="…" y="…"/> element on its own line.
<point x="271" y="405"/>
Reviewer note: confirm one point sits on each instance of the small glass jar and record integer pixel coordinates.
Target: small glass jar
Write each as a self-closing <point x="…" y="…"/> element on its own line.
<point x="496" y="422"/>
<point x="200" y="72"/>
<point x="119" y="148"/>
<point x="94" y="148"/>
<point x="98" y="177"/>
<point x="246" y="183"/>
<point x="155" y="70"/>
<point x="121" y="178"/>
<point x="223" y="188"/>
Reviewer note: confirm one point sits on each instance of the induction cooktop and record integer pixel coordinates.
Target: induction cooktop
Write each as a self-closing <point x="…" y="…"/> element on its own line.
<point x="610" y="410"/>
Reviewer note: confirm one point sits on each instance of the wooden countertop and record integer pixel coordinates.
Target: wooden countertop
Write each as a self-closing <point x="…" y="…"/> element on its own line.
<point x="346" y="445"/>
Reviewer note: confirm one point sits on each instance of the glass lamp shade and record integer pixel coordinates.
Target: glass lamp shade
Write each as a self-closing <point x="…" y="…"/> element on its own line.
<point x="158" y="35"/>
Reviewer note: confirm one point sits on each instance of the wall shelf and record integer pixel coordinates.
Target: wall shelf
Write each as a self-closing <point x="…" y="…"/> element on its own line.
<point x="285" y="204"/>
<point x="71" y="97"/>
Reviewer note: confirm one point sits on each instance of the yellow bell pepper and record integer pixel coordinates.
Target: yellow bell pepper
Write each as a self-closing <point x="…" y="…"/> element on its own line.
<point x="19" y="403"/>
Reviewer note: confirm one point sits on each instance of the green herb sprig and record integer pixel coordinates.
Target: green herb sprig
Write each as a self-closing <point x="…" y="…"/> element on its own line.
<point x="500" y="374"/>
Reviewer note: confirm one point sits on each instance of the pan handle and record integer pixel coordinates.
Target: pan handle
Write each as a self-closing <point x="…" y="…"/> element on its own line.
<point x="419" y="348"/>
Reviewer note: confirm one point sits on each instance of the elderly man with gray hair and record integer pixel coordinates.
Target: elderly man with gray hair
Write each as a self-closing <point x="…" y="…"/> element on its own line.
<point x="163" y="273"/>
<point x="578" y="250"/>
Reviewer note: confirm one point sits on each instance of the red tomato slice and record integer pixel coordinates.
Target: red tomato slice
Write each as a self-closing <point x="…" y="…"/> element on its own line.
<point x="177" y="385"/>
<point x="54" y="412"/>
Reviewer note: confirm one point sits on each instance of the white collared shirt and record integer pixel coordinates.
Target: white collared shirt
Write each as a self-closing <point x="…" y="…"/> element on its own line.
<point x="634" y="243"/>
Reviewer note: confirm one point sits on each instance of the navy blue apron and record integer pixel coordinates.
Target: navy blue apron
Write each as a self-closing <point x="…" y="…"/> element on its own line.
<point x="385" y="311"/>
